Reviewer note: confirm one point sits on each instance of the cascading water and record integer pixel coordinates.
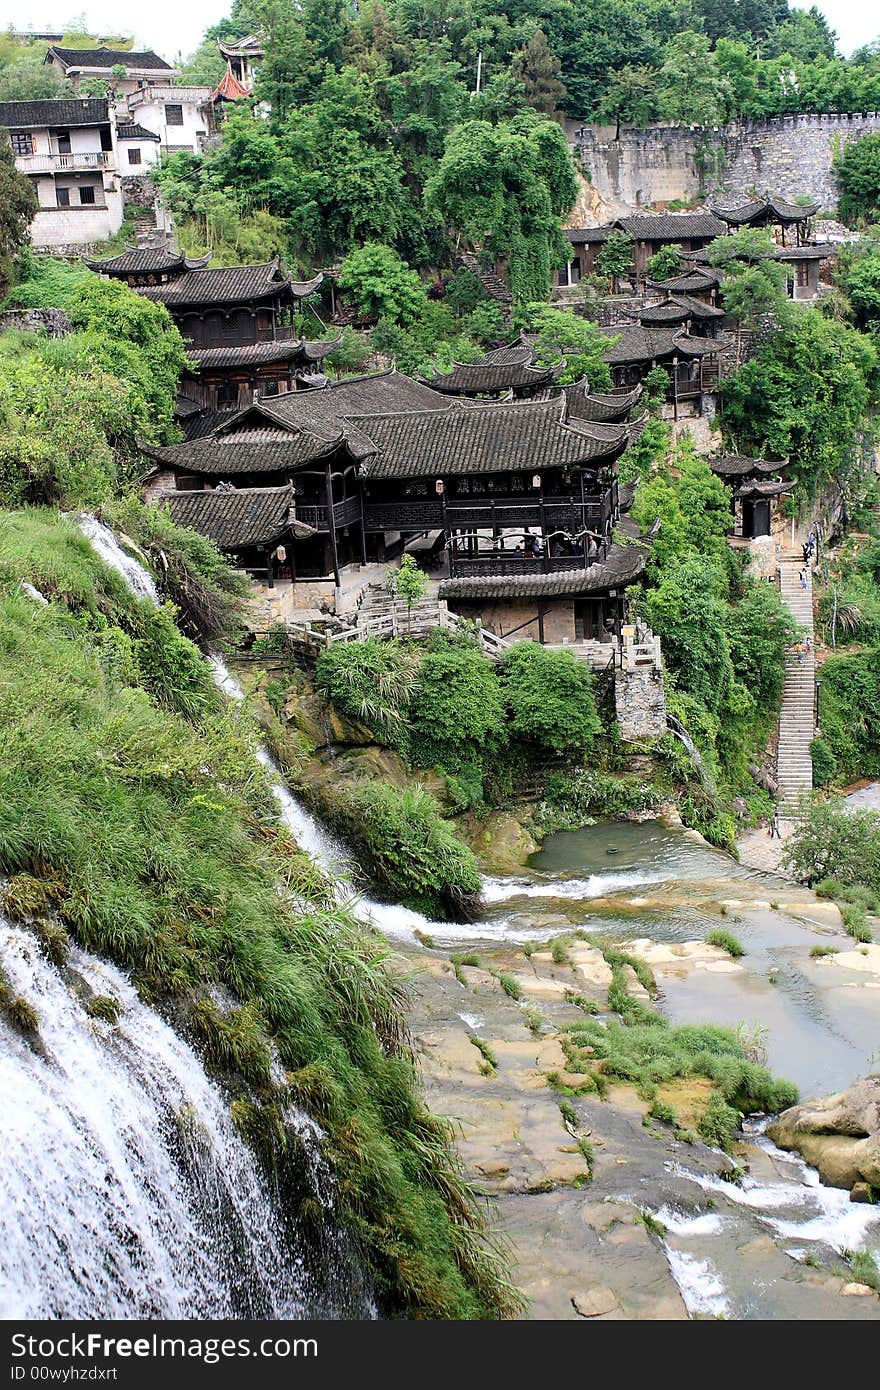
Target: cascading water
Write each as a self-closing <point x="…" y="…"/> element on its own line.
<point x="104" y="542"/>
<point x="125" y="1190"/>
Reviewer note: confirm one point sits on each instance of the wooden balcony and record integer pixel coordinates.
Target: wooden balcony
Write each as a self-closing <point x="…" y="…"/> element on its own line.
<point x="79" y="162"/>
<point x="345" y="513"/>
<point x="507" y="562"/>
<point x="489" y="513"/>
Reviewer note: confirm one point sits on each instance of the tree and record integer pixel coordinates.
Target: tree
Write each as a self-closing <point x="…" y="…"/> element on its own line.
<point x="381" y="283"/>
<point x="755" y="284"/>
<point x="561" y="332"/>
<point x="550" y="698"/>
<point x="858" y="168"/>
<point x="804" y="396"/>
<point x="859" y="275"/>
<point x="539" y="72"/>
<point x="409" y="583"/>
<point x="689" y="87"/>
<point x="693" y="507"/>
<point x="629" y="98"/>
<point x="664" y="263"/>
<point x="759" y="628"/>
<point x="689" y="615"/>
<point x="506" y="189"/>
<point x="18" y="207"/>
<point x="616" y="257"/>
<point x="833" y="841"/>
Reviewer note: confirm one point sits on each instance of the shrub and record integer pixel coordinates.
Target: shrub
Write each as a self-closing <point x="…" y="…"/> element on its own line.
<point x="407" y="847"/>
<point x="824" y="763"/>
<point x="550" y="699"/>
<point x="833" y="843"/>
<point x="726" y="940"/>
<point x="371" y="681"/>
<point x="457" y="716"/>
<point x="719" y="1123"/>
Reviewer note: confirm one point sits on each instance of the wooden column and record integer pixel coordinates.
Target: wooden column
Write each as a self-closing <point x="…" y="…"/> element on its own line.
<point x="331" y="520"/>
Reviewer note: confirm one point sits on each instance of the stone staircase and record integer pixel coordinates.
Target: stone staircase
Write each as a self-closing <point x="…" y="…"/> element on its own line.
<point x="794" y="765"/>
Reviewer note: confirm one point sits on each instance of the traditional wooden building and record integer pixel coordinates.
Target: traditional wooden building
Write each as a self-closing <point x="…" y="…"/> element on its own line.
<point x="508" y="370"/>
<point x="696" y="281"/>
<point x="516" y="489"/>
<point x="771" y="212"/>
<point x="805" y="263"/>
<point x="694" y="362"/>
<point x="692" y="231"/>
<point x="235" y="319"/>
<point x="756" y="492"/>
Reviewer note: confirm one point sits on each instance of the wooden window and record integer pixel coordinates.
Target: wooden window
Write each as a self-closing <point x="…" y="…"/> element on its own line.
<point x="227" y="393"/>
<point x="134" y="156"/>
<point x="106" y="138"/>
<point x="802" y="272"/>
<point x="22" y="142"/>
<point x="63" y="197"/>
<point x="63" y="139"/>
<point x="87" y="194"/>
<point x="173" y="114"/>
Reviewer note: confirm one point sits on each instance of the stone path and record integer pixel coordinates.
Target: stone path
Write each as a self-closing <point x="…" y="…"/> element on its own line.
<point x="794" y="765"/>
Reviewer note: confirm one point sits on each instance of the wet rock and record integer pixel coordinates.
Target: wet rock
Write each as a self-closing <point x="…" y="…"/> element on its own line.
<point x="502" y="842"/>
<point x="839" y="1134"/>
<point x="862" y="1192"/>
<point x="634" y="987"/>
<point x="477" y="978"/>
<point x="857" y="1291"/>
<point x="594" y="1303"/>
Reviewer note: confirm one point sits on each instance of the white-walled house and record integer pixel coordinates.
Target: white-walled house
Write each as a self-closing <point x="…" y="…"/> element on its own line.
<point x="181" y="118"/>
<point x="137" y="148"/>
<point x="67" y="147"/>
<point x="79" y="64"/>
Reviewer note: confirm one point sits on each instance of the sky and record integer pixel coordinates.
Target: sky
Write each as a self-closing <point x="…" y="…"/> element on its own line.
<point x="175" y="27"/>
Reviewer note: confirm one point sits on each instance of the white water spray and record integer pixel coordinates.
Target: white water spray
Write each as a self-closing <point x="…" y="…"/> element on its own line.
<point x="125" y="1190"/>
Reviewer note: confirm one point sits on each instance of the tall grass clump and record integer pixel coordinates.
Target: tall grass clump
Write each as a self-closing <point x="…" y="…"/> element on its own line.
<point x="152" y="838"/>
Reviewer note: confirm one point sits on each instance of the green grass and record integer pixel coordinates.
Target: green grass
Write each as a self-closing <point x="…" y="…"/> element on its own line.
<point x="149" y="835"/>
<point x="650" y="1223"/>
<point x="661" y="1111"/>
<point x="855" y="921"/>
<point x="510" y="985"/>
<point x="817" y="952"/>
<point x="864" y="1268"/>
<point x="490" y="1061"/>
<point x="726" y="940"/>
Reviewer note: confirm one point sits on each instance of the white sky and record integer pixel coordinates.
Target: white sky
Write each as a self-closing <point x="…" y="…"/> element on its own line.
<point x="176" y="26"/>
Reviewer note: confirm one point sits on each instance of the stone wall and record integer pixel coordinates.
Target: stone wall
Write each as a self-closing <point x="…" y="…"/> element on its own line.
<point x="788" y="155"/>
<point x="640" y="703"/>
<point x="138" y="191"/>
<point x="53" y="322"/>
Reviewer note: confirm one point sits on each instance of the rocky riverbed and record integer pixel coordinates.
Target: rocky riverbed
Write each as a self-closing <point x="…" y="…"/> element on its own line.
<point x="652" y="1226"/>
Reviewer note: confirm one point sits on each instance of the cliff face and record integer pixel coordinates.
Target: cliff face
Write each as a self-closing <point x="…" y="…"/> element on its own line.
<point x="787" y="155"/>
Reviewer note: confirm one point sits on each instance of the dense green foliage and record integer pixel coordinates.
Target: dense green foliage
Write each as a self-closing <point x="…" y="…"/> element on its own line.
<point x="858" y="168"/>
<point x="849" y="713"/>
<point x="74" y="408"/>
<point x="18" y="204"/>
<point x="154" y="840"/>
<point x="805" y="396"/>
<point x="405" y="846"/>
<point x="832" y="842"/>
<point x="550" y="699"/>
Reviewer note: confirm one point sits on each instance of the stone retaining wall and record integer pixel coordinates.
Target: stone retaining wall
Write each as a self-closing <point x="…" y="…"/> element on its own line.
<point x="787" y="155"/>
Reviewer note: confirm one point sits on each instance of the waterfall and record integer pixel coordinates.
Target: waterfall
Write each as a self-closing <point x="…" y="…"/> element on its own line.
<point x="104" y="542"/>
<point x="125" y="1190"/>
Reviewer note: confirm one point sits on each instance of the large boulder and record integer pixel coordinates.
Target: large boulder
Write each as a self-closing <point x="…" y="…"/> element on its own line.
<point x="839" y="1135"/>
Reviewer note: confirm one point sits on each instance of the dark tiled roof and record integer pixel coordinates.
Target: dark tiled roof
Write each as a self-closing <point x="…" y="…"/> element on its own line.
<point x="586" y="236"/>
<point x="820" y="251"/>
<point x="246" y="451"/>
<point x="741" y="466"/>
<point x="65" y="112"/>
<point x="678" y="309"/>
<point x="184" y="408"/>
<point x="108" y="58"/>
<point x="767" y="488"/>
<point x="586" y="405"/>
<point x="326" y="411"/>
<point x="771" y="208"/>
<point x="640" y="344"/>
<point x="688" y="282"/>
<point x="522" y="436"/>
<point x="234" y="284"/>
<point x="135" y="260"/>
<point x="234" y="518"/>
<point x="623" y="566"/>
<point x="518" y="353"/>
<point x="489" y="378"/>
<point x="135" y="132"/>
<point x="258" y="353"/>
<point x="206" y="422"/>
<point x="671" y="311"/>
<point x="672" y="226"/>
